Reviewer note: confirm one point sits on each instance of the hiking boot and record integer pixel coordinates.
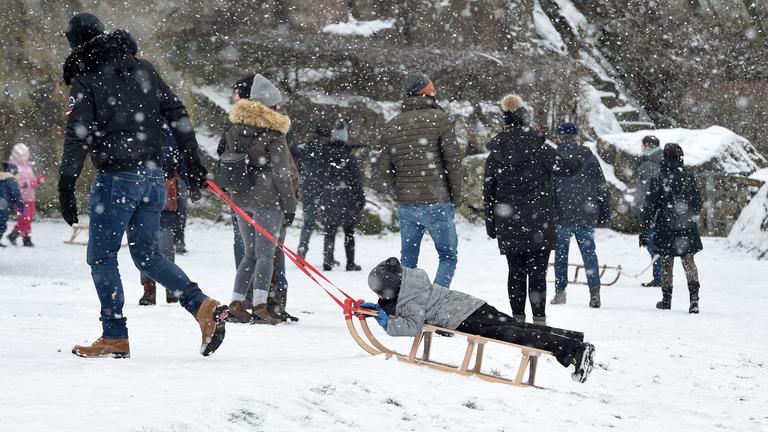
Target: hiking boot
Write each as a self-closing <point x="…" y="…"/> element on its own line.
<point x="281" y="296"/>
<point x="12" y="237"/>
<point x="353" y="267"/>
<point x="559" y="298"/>
<point x="262" y="312"/>
<point x="666" y="299"/>
<point x="148" y="299"/>
<point x="237" y="313"/>
<point x="583" y="362"/>
<point x="693" y="291"/>
<point x="594" y="298"/>
<point x="26" y="241"/>
<point x="170" y="297"/>
<point x="103" y="347"/>
<point x="327" y="267"/>
<point x="652" y="284"/>
<point x="212" y="318"/>
<point x="542" y="321"/>
<point x="180" y="248"/>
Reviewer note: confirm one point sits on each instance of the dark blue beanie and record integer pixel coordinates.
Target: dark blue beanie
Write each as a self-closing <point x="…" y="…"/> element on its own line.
<point x="82" y="28"/>
<point x="567" y="128"/>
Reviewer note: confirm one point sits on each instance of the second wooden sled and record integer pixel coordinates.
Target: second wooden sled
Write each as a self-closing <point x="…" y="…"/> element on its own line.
<point x="603" y="270"/>
<point x="76" y="230"/>
<point x="475" y="348"/>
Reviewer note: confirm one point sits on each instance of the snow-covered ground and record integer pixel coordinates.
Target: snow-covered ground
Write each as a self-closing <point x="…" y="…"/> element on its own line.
<point x="665" y="371"/>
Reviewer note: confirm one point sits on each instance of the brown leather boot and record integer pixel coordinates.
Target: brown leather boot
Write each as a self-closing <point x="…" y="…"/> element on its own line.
<point x="170" y="297"/>
<point x="212" y="318"/>
<point x="263" y="313"/>
<point x="237" y="312"/>
<point x="148" y="299"/>
<point x="114" y="348"/>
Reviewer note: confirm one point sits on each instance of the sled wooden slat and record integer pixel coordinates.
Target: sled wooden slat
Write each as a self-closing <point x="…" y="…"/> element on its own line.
<point x="603" y="270"/>
<point x="475" y="348"/>
<point x="76" y="230"/>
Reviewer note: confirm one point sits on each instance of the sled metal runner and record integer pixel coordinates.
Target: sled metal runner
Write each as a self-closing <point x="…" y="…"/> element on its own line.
<point x="475" y="349"/>
<point x="604" y="269"/>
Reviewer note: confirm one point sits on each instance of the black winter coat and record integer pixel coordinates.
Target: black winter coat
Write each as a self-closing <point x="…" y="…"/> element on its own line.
<point x="517" y="193"/>
<point x="310" y="168"/>
<point x="341" y="196"/>
<point x="582" y="199"/>
<point x="118" y="105"/>
<point x="673" y="204"/>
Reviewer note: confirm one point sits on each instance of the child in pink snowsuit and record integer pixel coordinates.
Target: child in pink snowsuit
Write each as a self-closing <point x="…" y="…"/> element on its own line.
<point x="28" y="182"/>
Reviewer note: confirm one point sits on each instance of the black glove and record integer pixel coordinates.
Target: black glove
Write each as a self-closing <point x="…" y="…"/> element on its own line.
<point x="490" y="228"/>
<point x="288" y="219"/>
<point x="644" y="240"/>
<point x="68" y="206"/>
<point x="197" y="177"/>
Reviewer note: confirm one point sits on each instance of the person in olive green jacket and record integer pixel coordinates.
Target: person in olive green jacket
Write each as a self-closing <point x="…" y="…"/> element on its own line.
<point x="421" y="162"/>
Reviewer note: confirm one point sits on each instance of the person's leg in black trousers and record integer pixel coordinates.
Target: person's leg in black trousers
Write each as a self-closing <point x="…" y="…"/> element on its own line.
<point x="536" y="264"/>
<point x="349" y="247"/>
<point x="516" y="285"/>
<point x="329" y="246"/>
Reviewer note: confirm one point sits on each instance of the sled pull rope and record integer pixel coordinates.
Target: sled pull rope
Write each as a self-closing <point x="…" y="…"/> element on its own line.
<point x="298" y="261"/>
<point x="635" y="276"/>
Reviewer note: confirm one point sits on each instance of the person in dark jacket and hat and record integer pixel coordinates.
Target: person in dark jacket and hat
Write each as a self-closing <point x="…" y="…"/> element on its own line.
<point x="519" y="203"/>
<point x="673" y="206"/>
<point x="310" y="169"/>
<point x="408" y="300"/>
<point x="117" y="107"/>
<point x="341" y="196"/>
<point x="581" y="203"/>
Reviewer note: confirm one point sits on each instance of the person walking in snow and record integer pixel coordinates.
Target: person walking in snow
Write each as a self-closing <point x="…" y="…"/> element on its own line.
<point x="649" y="170"/>
<point x="519" y="203"/>
<point x="421" y="160"/>
<point x="28" y="182"/>
<point x="10" y="196"/>
<point x="341" y="196"/>
<point x="258" y="132"/>
<point x="173" y="170"/>
<point x="118" y="105"/>
<point x="581" y="204"/>
<point x="408" y="300"/>
<point x="673" y="205"/>
<point x="311" y="185"/>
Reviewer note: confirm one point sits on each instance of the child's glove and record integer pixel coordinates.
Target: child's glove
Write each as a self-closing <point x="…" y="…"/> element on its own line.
<point x="383" y="317"/>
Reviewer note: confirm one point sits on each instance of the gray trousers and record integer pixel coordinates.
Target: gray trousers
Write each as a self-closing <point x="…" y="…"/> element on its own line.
<point x="257" y="265"/>
<point x="165" y="240"/>
<point x="691" y="272"/>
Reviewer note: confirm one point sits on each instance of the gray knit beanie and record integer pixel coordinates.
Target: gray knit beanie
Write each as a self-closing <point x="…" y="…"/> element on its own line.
<point x="262" y="90"/>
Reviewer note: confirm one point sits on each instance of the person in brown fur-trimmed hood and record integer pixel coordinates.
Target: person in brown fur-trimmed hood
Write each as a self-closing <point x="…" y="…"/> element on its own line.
<point x="258" y="132"/>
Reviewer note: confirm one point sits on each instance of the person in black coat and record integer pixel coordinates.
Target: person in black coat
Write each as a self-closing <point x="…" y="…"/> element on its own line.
<point x="309" y="168"/>
<point x="581" y="204"/>
<point x="341" y="196"/>
<point x="673" y="205"/>
<point x="519" y="205"/>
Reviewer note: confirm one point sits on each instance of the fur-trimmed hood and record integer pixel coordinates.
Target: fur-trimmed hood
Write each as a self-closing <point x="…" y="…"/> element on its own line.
<point x="252" y="113"/>
<point x="118" y="46"/>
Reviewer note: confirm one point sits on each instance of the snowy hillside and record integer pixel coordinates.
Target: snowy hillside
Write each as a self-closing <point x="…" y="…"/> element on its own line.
<point x="664" y="371"/>
<point x="751" y="229"/>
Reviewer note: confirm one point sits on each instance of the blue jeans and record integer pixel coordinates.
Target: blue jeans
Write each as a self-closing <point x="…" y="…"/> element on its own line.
<point x="657" y="264"/>
<point x="437" y="219"/>
<point x="130" y="201"/>
<point x="585" y="238"/>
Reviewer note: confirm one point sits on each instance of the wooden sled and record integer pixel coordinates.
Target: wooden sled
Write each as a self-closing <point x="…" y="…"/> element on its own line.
<point x="475" y="348"/>
<point x="76" y="230"/>
<point x="603" y="270"/>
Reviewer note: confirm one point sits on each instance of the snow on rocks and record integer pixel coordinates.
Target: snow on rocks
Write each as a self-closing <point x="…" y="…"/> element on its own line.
<point x="353" y="27"/>
<point x="751" y="229"/>
<point x="715" y="148"/>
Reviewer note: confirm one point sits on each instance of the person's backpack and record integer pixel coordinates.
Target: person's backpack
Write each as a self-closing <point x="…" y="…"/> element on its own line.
<point x="235" y="173"/>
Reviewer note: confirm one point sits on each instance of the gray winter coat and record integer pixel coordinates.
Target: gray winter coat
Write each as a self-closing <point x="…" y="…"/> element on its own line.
<point x="259" y="132"/>
<point x="420" y="302"/>
<point x="420" y="157"/>
<point x="650" y="169"/>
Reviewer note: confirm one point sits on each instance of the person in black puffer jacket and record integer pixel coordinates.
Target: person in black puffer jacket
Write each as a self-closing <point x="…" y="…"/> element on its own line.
<point x="342" y="197"/>
<point x="519" y="205"/>
<point x="673" y="205"/>
<point x="309" y="168"/>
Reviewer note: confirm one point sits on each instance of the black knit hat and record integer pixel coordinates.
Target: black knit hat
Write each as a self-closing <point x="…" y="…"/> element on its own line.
<point x="9" y="167"/>
<point x="243" y="86"/>
<point x="82" y="28"/>
<point x="323" y="129"/>
<point x="651" y="141"/>
<point x="385" y="278"/>
<point x="673" y="151"/>
<point x="414" y="82"/>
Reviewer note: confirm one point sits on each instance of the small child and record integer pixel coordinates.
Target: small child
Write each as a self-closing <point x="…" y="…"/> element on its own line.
<point x="10" y="196"/>
<point x="28" y="183"/>
<point x="408" y="300"/>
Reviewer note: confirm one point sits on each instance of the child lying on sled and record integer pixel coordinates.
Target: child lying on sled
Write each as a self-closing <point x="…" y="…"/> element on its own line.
<point x="408" y="300"/>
